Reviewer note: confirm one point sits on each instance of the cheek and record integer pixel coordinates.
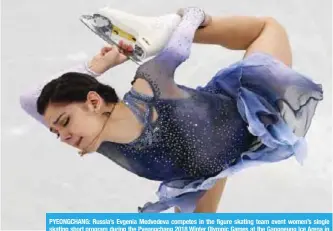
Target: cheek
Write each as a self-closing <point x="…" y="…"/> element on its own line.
<point x="85" y="126"/>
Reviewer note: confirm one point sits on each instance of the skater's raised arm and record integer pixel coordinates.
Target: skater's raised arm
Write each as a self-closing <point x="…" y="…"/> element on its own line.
<point x="108" y="57"/>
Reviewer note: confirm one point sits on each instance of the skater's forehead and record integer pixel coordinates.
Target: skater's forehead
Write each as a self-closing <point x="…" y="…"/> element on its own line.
<point x="54" y="113"/>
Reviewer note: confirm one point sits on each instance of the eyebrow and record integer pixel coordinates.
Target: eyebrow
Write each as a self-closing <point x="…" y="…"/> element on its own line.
<point x="59" y="117"/>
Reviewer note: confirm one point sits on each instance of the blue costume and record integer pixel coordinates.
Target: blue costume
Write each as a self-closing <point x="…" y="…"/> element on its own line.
<point x="255" y="111"/>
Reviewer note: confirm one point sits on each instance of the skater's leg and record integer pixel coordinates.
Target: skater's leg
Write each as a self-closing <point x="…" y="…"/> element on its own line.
<point x="273" y="40"/>
<point x="210" y="201"/>
<point x="253" y="34"/>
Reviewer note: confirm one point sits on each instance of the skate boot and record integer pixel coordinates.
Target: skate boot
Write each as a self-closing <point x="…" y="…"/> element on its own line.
<point x="147" y="35"/>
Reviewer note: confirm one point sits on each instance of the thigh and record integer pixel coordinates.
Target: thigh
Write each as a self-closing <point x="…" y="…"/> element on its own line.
<point x="211" y="199"/>
<point x="274" y="41"/>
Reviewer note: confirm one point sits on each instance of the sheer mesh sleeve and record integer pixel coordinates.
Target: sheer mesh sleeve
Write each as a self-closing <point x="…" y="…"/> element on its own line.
<point x="159" y="71"/>
<point x="28" y="99"/>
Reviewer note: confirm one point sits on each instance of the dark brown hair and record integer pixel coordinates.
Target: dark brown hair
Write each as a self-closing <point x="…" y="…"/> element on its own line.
<point x="73" y="87"/>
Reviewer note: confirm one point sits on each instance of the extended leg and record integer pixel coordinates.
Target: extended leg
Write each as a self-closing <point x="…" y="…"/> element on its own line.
<point x="252" y="34"/>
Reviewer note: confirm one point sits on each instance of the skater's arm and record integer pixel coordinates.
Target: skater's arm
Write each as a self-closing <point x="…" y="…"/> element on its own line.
<point x="105" y="59"/>
<point x="252" y="34"/>
<point x="28" y="99"/>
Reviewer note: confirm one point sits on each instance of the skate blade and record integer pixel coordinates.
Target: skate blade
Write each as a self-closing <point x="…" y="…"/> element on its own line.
<point x="112" y="34"/>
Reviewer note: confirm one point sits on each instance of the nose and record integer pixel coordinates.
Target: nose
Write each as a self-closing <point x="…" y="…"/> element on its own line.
<point x="65" y="136"/>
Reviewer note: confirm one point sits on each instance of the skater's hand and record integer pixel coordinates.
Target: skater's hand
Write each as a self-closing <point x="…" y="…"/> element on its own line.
<point x="110" y="56"/>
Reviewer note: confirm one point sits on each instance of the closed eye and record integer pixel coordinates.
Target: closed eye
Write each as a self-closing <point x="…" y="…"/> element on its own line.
<point x="66" y="122"/>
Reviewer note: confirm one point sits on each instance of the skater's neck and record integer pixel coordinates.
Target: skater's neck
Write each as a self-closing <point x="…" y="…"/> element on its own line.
<point x="122" y="126"/>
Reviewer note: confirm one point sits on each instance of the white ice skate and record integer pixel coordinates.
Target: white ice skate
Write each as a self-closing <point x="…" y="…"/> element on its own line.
<point x="147" y="35"/>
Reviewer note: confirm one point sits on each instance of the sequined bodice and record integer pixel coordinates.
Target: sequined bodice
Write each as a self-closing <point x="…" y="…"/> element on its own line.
<point x="195" y="136"/>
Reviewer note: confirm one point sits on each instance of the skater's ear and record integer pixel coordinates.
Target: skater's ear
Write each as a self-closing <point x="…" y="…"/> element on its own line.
<point x="94" y="101"/>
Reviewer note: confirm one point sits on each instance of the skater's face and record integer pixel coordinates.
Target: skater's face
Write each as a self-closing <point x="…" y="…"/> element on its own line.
<point x="78" y="124"/>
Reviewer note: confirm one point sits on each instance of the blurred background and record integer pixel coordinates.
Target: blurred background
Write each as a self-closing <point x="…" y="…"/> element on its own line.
<point x="39" y="175"/>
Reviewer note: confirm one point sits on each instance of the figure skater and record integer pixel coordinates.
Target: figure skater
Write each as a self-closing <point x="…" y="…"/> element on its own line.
<point x="258" y="110"/>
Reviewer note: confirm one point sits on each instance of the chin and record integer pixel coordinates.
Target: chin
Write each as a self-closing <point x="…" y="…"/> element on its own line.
<point x="86" y="152"/>
<point x="92" y="148"/>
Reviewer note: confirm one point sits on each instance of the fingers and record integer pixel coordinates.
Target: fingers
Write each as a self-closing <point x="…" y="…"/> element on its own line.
<point x="105" y="50"/>
<point x="124" y="48"/>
